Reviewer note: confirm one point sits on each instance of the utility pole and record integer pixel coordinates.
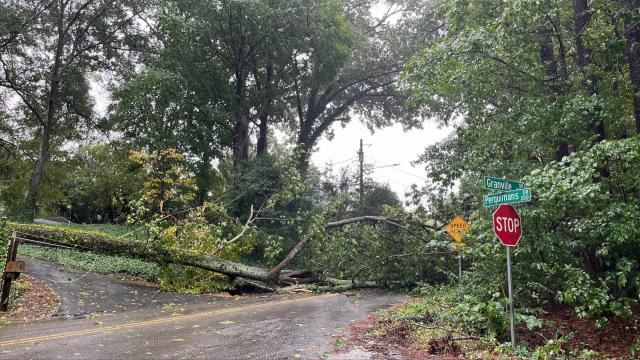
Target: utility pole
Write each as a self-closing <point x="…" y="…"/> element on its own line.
<point x="361" y="158"/>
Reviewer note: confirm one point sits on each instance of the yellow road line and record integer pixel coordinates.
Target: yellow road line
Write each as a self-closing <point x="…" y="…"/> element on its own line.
<point x="133" y="325"/>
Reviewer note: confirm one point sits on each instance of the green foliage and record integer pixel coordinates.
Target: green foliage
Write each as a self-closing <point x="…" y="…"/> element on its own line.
<point x="203" y="230"/>
<point x="524" y="107"/>
<point x="18" y="289"/>
<point x="98" y="185"/>
<point x="168" y="187"/>
<point x="590" y="200"/>
<point x="90" y="261"/>
<point x="189" y="280"/>
<point x="5" y="233"/>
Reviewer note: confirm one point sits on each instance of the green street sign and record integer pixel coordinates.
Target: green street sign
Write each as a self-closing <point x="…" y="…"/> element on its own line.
<point x="507" y="197"/>
<point x="492" y="183"/>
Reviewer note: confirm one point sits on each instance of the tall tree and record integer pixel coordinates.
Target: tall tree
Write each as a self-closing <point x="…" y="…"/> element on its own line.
<point x="632" y="50"/>
<point x="352" y="62"/>
<point x="581" y="18"/>
<point x="46" y="64"/>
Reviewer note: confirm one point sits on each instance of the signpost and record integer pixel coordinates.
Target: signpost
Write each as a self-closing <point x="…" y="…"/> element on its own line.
<point x="455" y="228"/>
<point x="507" y="226"/>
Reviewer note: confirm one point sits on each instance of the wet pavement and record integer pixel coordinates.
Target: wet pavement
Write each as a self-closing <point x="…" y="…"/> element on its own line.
<point x="108" y="318"/>
<point x="84" y="293"/>
<point x="278" y="327"/>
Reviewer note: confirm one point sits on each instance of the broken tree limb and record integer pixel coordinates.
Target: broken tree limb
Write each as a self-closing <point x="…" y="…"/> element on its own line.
<point x="276" y="276"/>
<point x="104" y="244"/>
<point x="275" y="271"/>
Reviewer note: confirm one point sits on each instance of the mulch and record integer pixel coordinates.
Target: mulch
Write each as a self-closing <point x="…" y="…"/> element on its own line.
<point x="38" y="302"/>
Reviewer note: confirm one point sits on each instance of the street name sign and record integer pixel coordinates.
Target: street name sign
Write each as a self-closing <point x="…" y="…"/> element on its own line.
<point x="507" y="225"/>
<point x="500" y="184"/>
<point x="507" y="197"/>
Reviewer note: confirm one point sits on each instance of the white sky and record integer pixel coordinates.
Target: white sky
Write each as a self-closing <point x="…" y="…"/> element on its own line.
<point x="385" y="147"/>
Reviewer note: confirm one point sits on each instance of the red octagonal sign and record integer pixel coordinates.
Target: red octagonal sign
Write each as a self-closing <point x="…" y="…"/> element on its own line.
<point x="507" y="225"/>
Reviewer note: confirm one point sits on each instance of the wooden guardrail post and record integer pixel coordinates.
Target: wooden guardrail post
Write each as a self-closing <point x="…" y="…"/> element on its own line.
<point x="12" y="270"/>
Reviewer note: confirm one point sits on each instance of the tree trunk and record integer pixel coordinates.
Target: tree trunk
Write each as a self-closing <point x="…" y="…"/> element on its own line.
<point x="37" y="175"/>
<point x="581" y="18"/>
<point x="103" y="244"/>
<point x="241" y="126"/>
<point x="263" y="127"/>
<point x="548" y="60"/>
<point x="632" y="50"/>
<point x="203" y="180"/>
<point x="49" y="122"/>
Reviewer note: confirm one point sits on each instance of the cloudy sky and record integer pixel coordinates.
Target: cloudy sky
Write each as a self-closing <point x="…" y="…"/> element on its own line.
<point x="385" y="147"/>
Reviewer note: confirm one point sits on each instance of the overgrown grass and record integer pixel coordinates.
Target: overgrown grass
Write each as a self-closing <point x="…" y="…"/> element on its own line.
<point x="99" y="263"/>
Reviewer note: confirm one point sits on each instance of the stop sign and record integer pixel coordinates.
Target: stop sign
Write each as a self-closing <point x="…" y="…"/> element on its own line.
<point x="507" y="225"/>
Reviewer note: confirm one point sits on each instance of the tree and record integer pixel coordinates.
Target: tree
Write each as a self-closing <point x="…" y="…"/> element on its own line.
<point x="45" y="61"/>
<point x="538" y="91"/>
<point x="351" y="63"/>
<point x="99" y="185"/>
<point x="632" y="51"/>
<point x="168" y="188"/>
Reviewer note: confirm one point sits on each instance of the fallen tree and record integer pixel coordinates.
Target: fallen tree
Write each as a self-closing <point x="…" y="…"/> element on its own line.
<point x="260" y="278"/>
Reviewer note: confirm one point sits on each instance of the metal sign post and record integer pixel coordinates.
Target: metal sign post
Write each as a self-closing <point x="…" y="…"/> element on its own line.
<point x="510" y="284"/>
<point x="507" y="224"/>
<point x="455" y="229"/>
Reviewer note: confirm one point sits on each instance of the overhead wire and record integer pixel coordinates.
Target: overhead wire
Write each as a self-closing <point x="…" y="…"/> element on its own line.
<point x="398" y="169"/>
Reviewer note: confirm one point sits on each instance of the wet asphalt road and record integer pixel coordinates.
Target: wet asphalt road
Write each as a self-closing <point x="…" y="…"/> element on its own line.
<point x="273" y="327"/>
<point x="85" y="293"/>
<point x="104" y="317"/>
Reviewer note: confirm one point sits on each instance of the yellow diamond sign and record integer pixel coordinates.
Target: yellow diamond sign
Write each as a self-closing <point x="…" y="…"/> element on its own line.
<point x="456" y="227"/>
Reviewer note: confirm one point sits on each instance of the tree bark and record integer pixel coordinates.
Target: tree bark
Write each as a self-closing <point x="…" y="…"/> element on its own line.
<point x="241" y="126"/>
<point x="37" y="175"/>
<point x="548" y="61"/>
<point x="263" y="127"/>
<point x="91" y="242"/>
<point x="263" y="130"/>
<point x="50" y="120"/>
<point x="581" y="18"/>
<point x="632" y="51"/>
<point x="101" y="244"/>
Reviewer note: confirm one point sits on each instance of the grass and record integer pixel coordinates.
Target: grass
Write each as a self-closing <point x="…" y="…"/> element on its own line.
<point x="99" y="263"/>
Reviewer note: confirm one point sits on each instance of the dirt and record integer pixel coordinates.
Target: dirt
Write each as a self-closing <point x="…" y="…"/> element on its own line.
<point x="613" y="340"/>
<point x="395" y="344"/>
<point x="37" y="302"/>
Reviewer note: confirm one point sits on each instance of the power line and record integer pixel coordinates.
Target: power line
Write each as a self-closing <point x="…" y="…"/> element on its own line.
<point x="398" y="169"/>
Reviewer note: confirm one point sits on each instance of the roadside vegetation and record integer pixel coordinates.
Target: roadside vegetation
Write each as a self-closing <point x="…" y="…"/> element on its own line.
<point x="90" y="261"/>
<point x="196" y="172"/>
